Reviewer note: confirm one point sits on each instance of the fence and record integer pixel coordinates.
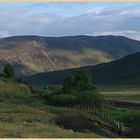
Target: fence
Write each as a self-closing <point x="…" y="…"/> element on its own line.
<point x="118" y="125"/>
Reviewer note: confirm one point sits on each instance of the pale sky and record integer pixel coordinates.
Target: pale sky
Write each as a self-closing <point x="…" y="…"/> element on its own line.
<point x="67" y="18"/>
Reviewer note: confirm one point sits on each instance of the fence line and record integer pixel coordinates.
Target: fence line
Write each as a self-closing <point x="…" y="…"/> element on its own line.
<point x="118" y="125"/>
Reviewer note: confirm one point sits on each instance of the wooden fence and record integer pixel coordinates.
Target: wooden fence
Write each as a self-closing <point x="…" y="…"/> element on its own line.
<point x="118" y="125"/>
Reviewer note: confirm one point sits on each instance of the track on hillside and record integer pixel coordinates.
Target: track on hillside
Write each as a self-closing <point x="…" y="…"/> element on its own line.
<point x="123" y="104"/>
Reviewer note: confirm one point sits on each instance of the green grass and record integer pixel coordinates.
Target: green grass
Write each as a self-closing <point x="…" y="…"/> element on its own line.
<point x="118" y="113"/>
<point x="32" y="120"/>
<point x="24" y="116"/>
<point x="7" y="85"/>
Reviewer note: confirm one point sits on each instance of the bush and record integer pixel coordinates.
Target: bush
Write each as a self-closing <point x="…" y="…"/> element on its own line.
<point x="132" y="120"/>
<point x="63" y="100"/>
<point x="8" y="71"/>
<point x="51" y="90"/>
<point x="75" y="121"/>
<point x="21" y="80"/>
<point x="91" y="98"/>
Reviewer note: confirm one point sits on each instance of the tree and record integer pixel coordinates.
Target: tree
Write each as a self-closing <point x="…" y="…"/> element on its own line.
<point x="78" y="80"/>
<point x="21" y="80"/>
<point x="8" y="71"/>
<point x="79" y="83"/>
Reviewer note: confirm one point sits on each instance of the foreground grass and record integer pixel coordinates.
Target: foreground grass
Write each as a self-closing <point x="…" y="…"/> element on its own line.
<point x="21" y="115"/>
<point x="32" y="120"/>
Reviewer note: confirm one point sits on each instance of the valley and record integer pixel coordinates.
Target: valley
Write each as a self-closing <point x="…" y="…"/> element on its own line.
<point x="46" y="88"/>
<point x="69" y="69"/>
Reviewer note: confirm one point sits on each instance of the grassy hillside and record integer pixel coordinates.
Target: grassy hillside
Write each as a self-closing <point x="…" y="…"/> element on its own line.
<point x="125" y="71"/>
<point x="32" y="54"/>
<point x="24" y="116"/>
<point x="7" y="85"/>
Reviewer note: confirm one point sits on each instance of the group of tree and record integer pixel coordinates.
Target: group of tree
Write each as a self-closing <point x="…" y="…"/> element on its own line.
<point x="77" y="89"/>
<point x="79" y="83"/>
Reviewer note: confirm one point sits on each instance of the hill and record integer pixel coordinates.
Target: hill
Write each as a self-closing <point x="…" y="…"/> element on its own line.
<point x="22" y="115"/>
<point x="7" y="86"/>
<point x="33" y="54"/>
<point x="125" y="71"/>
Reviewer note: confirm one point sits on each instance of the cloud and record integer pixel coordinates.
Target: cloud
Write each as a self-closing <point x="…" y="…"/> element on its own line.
<point x="129" y="34"/>
<point x="4" y="34"/>
<point x="21" y="20"/>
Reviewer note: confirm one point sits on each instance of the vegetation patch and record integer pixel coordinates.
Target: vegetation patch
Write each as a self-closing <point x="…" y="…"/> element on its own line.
<point x="63" y="100"/>
<point x="78" y="122"/>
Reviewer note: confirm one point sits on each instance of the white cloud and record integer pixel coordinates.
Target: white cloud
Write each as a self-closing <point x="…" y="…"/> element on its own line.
<point x="124" y="21"/>
<point x="129" y="34"/>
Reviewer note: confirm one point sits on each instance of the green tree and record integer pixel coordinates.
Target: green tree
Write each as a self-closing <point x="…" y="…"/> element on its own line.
<point x="79" y="83"/>
<point x="91" y="98"/>
<point x="8" y="71"/>
<point x="21" y="79"/>
<point x="78" y="80"/>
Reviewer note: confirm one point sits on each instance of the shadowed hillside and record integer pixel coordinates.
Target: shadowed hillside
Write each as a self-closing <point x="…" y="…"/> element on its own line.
<point x="123" y="71"/>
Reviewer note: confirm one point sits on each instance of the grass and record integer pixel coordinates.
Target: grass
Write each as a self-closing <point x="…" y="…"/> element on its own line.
<point x="118" y="113"/>
<point x="24" y="116"/>
<point x="7" y="85"/>
<point x="32" y="120"/>
<point x="121" y="93"/>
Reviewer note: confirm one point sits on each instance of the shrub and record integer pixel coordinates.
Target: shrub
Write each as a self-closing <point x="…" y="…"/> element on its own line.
<point x="75" y="121"/>
<point x="8" y="71"/>
<point x="132" y="120"/>
<point x="91" y="98"/>
<point x="21" y="80"/>
<point x="51" y="90"/>
<point x="63" y="100"/>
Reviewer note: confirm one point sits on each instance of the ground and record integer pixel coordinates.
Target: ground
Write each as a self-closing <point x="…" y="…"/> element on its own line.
<point x="32" y="120"/>
<point x="22" y="115"/>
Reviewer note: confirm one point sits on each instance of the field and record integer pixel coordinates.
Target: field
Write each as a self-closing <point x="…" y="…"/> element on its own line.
<point x="121" y="93"/>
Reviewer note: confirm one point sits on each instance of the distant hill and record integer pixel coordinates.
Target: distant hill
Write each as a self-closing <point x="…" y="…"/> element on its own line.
<point x="125" y="71"/>
<point x="33" y="54"/>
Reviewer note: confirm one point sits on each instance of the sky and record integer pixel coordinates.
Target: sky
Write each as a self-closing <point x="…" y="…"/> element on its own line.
<point x="70" y="18"/>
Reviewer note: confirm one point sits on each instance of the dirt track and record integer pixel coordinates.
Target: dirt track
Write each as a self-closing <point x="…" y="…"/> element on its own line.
<point x="123" y="104"/>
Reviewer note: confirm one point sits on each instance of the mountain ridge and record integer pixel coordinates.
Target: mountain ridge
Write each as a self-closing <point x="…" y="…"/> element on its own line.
<point x="33" y="54"/>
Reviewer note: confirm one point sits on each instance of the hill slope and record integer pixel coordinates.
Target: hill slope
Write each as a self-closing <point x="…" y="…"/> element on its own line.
<point x="22" y="115"/>
<point x="32" y="54"/>
<point x="123" y="71"/>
